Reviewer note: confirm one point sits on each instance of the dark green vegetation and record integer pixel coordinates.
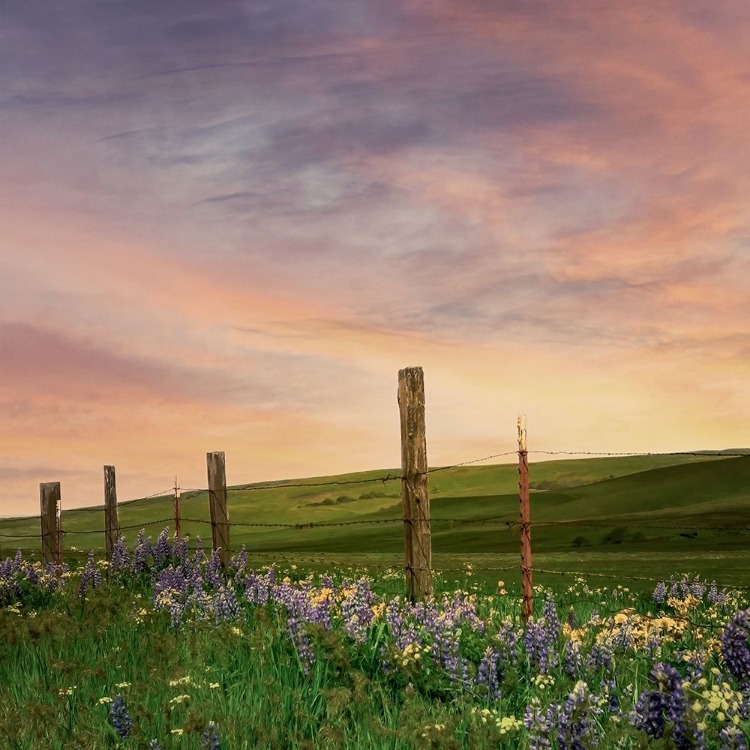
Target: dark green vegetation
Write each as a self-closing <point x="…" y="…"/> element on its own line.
<point x="623" y="515"/>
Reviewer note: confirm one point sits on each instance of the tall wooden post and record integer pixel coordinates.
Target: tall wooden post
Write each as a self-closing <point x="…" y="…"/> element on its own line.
<point x="49" y="497"/>
<point x="527" y="590"/>
<point x="177" y="531"/>
<point x="414" y="493"/>
<point x="111" y="517"/>
<point x="217" y="500"/>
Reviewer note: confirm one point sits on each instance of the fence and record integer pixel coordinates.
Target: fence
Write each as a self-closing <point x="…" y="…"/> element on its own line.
<point x="415" y="518"/>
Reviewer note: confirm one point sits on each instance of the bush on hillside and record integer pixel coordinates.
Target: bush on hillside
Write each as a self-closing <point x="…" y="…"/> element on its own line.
<point x="616" y="536"/>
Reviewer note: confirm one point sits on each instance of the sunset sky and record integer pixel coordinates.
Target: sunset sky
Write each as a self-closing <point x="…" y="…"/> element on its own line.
<point x="227" y="225"/>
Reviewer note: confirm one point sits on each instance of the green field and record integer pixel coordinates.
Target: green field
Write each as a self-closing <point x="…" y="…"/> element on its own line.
<point x="638" y="516"/>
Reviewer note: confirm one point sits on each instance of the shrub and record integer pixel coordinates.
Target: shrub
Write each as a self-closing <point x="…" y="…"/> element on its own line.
<point x="616" y="536"/>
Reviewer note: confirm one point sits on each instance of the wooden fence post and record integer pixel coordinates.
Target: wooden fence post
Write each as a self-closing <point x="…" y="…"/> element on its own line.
<point x="217" y="500"/>
<point x="527" y="590"/>
<point x="177" y="531"/>
<point x="414" y="494"/>
<point x="49" y="497"/>
<point x="111" y="518"/>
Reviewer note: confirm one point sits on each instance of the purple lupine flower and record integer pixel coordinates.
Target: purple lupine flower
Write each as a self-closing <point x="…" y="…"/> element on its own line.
<point x="180" y="551"/>
<point x="120" y="559"/>
<point x="734" y="648"/>
<point x="573" y="661"/>
<point x="120" y="718"/>
<point x="489" y="673"/>
<point x="90" y="575"/>
<point x="301" y="643"/>
<point x="154" y="745"/>
<point x="732" y="738"/>
<point x="163" y="549"/>
<point x="713" y="593"/>
<point x="239" y="561"/>
<point x="665" y="704"/>
<point x="199" y="556"/>
<point x="507" y="642"/>
<point x="697" y="588"/>
<point x="212" y="570"/>
<point x="576" y="729"/>
<point x="225" y="605"/>
<point x="685" y="587"/>
<point x="550" y="616"/>
<point x="141" y="552"/>
<point x="210" y="738"/>
<point x="648" y="713"/>
<point x="610" y="690"/>
<point x="600" y="656"/>
<point x="540" y="724"/>
<point x="674" y="590"/>
<point x="660" y="592"/>
<point x="356" y="611"/>
<point x="540" y="642"/>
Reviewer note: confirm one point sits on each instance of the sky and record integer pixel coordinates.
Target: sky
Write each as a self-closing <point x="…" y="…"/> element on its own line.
<point x="227" y="225"/>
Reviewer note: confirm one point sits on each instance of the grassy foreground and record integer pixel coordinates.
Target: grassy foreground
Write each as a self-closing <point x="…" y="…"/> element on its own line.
<point x="171" y="653"/>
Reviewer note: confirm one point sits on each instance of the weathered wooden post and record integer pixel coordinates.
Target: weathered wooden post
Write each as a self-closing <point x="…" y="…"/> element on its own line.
<point x="111" y="518"/>
<point x="49" y="497"/>
<point x="527" y="590"/>
<point x="177" y="532"/>
<point x="414" y="493"/>
<point x="217" y="501"/>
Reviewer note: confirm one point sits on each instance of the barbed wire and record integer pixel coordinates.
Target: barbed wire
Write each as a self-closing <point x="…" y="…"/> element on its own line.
<point x="700" y="454"/>
<point x="101" y="531"/>
<point x="615" y="522"/>
<point x="100" y="508"/>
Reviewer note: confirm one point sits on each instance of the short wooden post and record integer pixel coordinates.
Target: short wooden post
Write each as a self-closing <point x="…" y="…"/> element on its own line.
<point x="414" y="493"/>
<point x="59" y="536"/>
<point x="49" y="497"/>
<point x="177" y="532"/>
<point x="111" y="517"/>
<point x="217" y="500"/>
<point x="527" y="590"/>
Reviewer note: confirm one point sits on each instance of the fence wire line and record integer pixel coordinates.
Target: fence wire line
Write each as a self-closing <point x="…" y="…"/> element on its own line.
<point x="700" y="454"/>
<point x="613" y="524"/>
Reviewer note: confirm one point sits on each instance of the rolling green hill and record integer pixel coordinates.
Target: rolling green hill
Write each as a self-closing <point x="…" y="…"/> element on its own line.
<point x="588" y="509"/>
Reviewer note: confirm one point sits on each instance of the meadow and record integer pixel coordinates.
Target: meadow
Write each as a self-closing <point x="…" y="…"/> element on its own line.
<point x="161" y="649"/>
<point x="639" y="639"/>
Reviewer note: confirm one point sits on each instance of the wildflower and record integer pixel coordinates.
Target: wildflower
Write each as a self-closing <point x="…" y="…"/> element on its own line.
<point x="104" y="700"/>
<point x="120" y="718"/>
<point x="210" y="738"/>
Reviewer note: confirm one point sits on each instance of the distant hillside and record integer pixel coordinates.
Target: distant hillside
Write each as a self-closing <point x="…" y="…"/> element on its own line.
<point x="617" y="496"/>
